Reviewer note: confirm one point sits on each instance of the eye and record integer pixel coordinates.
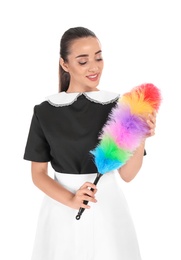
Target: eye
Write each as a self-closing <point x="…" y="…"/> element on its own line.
<point x="99" y="59"/>
<point x="82" y="63"/>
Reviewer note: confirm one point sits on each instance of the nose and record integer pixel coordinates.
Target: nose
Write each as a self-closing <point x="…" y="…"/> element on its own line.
<point x="93" y="67"/>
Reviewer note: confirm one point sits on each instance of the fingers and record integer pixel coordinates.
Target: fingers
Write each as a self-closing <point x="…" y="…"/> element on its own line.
<point x="151" y="121"/>
<point x="87" y="191"/>
<point x="152" y="118"/>
<point x="89" y="185"/>
<point x="86" y="194"/>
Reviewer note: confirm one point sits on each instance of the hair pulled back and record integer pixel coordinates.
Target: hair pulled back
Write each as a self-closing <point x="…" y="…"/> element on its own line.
<point x="65" y="43"/>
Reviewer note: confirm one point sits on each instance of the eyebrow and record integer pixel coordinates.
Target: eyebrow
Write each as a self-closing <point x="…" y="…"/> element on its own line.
<point x="86" y="55"/>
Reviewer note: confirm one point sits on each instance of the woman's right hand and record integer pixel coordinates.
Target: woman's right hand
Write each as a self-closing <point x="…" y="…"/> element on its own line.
<point x="85" y="193"/>
<point x="59" y="193"/>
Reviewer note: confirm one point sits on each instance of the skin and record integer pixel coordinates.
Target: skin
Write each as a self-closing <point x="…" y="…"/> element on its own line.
<point x="85" y="65"/>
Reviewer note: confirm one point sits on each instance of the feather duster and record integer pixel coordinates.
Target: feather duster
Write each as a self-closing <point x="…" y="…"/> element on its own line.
<point x="124" y="130"/>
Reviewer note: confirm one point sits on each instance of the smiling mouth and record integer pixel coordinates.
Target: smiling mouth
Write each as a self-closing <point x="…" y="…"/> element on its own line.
<point x="93" y="77"/>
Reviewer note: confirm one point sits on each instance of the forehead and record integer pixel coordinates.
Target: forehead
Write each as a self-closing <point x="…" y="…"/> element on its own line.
<point x="88" y="45"/>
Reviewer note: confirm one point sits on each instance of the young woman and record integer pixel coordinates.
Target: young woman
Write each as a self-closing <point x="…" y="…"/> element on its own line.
<point x="63" y="131"/>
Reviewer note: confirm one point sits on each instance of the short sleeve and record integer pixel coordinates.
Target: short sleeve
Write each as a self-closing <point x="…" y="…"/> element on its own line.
<point x="37" y="148"/>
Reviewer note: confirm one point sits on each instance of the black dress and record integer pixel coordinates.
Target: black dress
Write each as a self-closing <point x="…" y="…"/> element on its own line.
<point x="63" y="131"/>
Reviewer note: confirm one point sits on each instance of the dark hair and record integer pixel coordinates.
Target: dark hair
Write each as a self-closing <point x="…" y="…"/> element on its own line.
<point x="67" y="38"/>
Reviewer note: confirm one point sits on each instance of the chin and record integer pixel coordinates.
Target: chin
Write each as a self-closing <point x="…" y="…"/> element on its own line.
<point x="92" y="88"/>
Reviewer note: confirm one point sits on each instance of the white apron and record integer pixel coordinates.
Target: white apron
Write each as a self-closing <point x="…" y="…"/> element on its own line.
<point x="104" y="232"/>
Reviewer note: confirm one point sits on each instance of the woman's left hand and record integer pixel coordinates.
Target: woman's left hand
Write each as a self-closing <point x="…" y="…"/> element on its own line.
<point x="151" y="121"/>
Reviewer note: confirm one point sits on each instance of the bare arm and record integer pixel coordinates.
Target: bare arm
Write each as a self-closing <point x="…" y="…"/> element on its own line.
<point x="56" y="191"/>
<point x="132" y="167"/>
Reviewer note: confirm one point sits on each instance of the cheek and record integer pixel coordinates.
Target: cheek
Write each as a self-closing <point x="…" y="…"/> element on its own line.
<point x="101" y="65"/>
<point x="77" y="69"/>
<point x="81" y="70"/>
<point x="78" y="72"/>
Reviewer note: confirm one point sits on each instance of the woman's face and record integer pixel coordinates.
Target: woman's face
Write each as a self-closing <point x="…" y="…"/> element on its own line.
<point x="85" y="64"/>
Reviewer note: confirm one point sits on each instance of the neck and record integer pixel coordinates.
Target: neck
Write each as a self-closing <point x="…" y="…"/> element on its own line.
<point x="80" y="90"/>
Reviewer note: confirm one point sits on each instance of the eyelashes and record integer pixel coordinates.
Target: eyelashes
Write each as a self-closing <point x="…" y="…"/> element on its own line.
<point x="100" y="59"/>
<point x="85" y="62"/>
<point x="82" y="63"/>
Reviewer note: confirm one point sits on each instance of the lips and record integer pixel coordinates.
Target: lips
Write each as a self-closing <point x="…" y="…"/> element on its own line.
<point x="93" y="77"/>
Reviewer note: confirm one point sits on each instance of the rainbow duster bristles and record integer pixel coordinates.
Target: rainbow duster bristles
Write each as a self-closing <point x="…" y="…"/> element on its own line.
<point x="124" y="130"/>
<point x="142" y="99"/>
<point x="126" y="127"/>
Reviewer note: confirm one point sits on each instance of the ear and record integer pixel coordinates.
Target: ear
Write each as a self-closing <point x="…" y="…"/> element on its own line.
<point x="64" y="65"/>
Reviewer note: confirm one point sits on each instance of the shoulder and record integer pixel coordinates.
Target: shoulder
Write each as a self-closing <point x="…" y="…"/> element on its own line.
<point x="66" y="99"/>
<point x="41" y="105"/>
<point x="41" y="108"/>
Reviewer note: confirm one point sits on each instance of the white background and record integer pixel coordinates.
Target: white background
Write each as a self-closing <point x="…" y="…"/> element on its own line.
<point x="141" y="43"/>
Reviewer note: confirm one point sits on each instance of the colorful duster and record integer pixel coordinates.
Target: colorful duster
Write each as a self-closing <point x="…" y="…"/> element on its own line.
<point x="125" y="129"/>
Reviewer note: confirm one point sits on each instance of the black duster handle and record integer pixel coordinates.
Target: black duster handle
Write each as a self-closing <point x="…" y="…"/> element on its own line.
<point x="81" y="210"/>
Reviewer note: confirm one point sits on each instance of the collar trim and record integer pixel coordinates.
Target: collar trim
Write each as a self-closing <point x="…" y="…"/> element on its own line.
<point x="66" y="99"/>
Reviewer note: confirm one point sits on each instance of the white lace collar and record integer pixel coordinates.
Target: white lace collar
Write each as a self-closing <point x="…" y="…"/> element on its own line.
<point x="66" y="99"/>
